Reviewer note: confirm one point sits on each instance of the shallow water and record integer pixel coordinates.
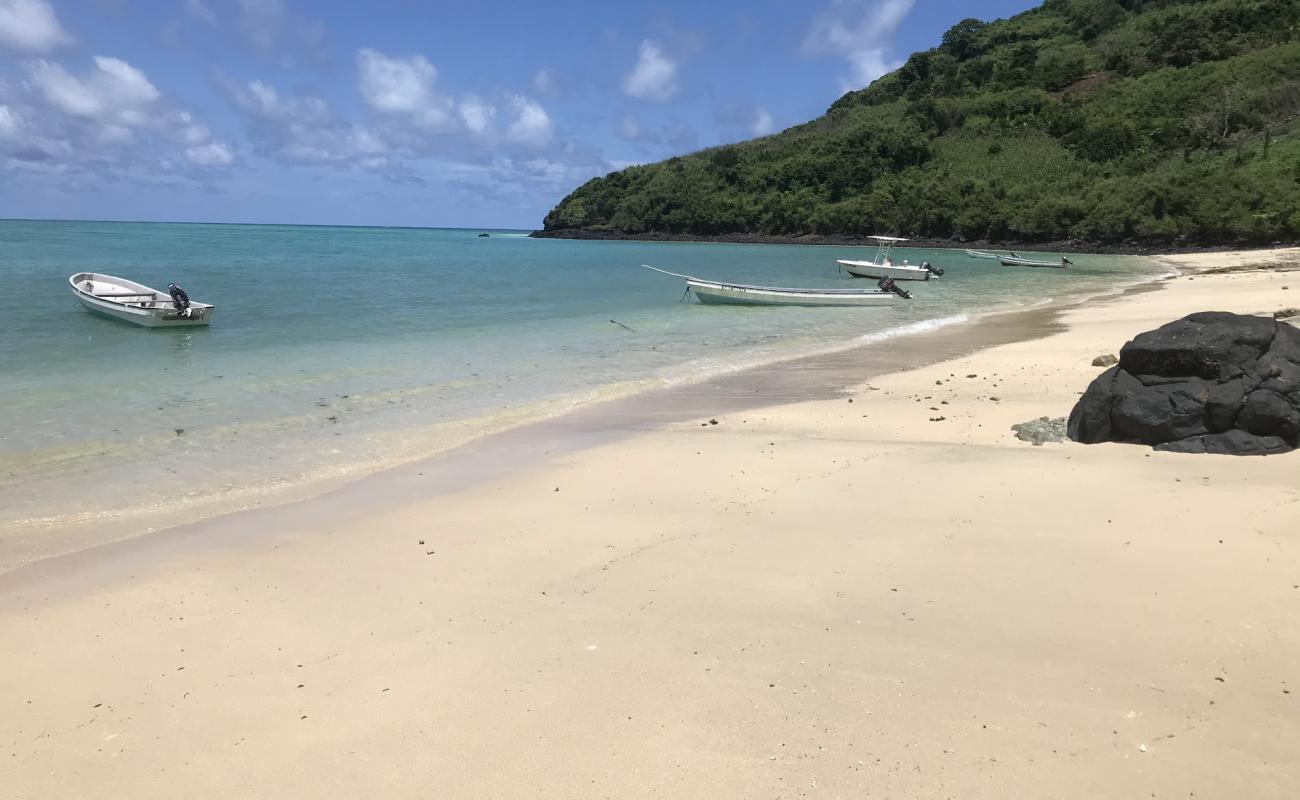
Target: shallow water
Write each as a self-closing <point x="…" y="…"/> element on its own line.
<point x="338" y="350"/>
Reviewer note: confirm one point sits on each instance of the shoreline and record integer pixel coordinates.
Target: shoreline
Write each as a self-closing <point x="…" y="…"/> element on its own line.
<point x="36" y="541"/>
<point x="1154" y="250"/>
<point x="874" y="590"/>
<point x="838" y="365"/>
<point x="516" y="450"/>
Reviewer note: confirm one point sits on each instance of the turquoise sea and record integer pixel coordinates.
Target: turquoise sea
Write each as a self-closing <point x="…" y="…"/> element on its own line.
<point x="335" y="351"/>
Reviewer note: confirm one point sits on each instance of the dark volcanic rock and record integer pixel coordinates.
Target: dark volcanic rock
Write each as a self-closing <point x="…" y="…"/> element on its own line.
<point x="1228" y="443"/>
<point x="1212" y="382"/>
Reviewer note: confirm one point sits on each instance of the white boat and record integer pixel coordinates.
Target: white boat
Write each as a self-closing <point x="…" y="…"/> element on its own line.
<point x="719" y="293"/>
<point x="1017" y="261"/>
<point x="136" y="303"/>
<point x="986" y="254"/>
<point x="882" y="264"/>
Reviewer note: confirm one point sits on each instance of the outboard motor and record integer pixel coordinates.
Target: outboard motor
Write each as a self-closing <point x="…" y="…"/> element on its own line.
<point x="887" y="284"/>
<point x="181" y="299"/>
<point x="932" y="270"/>
<point x="1067" y="261"/>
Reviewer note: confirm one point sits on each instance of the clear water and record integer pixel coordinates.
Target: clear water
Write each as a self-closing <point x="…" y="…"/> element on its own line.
<point x="337" y="350"/>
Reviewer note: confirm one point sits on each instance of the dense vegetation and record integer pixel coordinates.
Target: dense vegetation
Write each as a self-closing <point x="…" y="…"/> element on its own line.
<point x="1164" y="121"/>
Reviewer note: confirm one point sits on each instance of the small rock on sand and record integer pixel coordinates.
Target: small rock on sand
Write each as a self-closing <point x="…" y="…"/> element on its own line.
<point x="1107" y="360"/>
<point x="1043" y="429"/>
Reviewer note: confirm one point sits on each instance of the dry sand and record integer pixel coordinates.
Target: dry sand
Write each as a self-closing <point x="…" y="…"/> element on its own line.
<point x="838" y="598"/>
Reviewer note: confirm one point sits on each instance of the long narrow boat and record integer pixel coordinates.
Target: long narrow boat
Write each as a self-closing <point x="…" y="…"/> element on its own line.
<point x="882" y="264"/>
<point x="1029" y="262"/>
<point x="720" y="293"/>
<point x="136" y="303"/>
<point x="986" y="254"/>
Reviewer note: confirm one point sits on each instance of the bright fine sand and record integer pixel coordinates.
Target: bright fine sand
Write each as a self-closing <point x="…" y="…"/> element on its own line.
<point x="837" y="598"/>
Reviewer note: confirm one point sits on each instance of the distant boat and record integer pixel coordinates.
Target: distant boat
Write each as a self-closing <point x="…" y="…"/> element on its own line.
<point x="136" y="303"/>
<point x="719" y="293"/>
<point x="1029" y="262"/>
<point x="988" y="255"/>
<point x="882" y="264"/>
<point x="483" y="235"/>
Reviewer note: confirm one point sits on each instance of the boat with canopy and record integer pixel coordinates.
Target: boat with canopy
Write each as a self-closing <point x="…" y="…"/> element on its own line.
<point x="882" y="264"/>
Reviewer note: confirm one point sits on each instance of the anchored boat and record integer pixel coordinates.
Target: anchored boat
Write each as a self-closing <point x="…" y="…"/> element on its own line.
<point x="719" y="293"/>
<point x="882" y="264"/>
<point x="988" y="255"/>
<point x="136" y="303"/>
<point x="1016" y="261"/>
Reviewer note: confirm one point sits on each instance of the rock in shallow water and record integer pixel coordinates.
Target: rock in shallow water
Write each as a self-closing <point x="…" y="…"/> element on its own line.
<point x="1211" y="382"/>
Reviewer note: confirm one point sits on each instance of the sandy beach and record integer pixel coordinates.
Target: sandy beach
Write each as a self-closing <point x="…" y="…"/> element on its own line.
<point x="879" y="592"/>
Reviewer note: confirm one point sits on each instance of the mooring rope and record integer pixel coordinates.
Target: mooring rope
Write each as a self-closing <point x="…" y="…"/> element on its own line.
<point x="674" y="274"/>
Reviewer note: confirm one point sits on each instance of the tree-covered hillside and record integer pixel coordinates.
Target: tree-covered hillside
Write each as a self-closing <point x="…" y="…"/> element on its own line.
<point x="1156" y="122"/>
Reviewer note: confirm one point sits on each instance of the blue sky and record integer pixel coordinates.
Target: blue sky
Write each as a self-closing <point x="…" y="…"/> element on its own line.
<point x="397" y="112"/>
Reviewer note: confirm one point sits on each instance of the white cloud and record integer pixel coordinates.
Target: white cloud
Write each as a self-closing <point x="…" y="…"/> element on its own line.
<point x="264" y="101"/>
<point x="30" y="26"/>
<point x="115" y="92"/>
<point x="534" y="180"/>
<point x="402" y="86"/>
<point x="532" y="125"/>
<point x="190" y="131"/>
<point x="115" y="135"/>
<point x="860" y="33"/>
<point x="745" y="120"/>
<point x="487" y="144"/>
<point x="212" y="154"/>
<point x="8" y="122"/>
<point x="476" y="114"/>
<point x="109" y="122"/>
<point x="654" y="77"/>
<point x="200" y="11"/>
<point x="629" y="128"/>
<point x="302" y="130"/>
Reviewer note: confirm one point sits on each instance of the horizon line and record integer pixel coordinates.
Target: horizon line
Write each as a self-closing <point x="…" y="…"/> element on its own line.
<point x="268" y="224"/>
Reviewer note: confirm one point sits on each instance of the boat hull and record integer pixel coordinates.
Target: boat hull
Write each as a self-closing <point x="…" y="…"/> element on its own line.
<point x="147" y="308"/>
<point x="866" y="269"/>
<point x="983" y="254"/>
<point x="730" y="294"/>
<point x="1025" y="262"/>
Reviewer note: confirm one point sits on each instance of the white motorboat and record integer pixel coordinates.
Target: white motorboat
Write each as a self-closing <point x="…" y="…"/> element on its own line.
<point x="882" y="264"/>
<point x="1017" y="261"/>
<point x="133" y="302"/>
<point x="720" y="293"/>
<point x="988" y="255"/>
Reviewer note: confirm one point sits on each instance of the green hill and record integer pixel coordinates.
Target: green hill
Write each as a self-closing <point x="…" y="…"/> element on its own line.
<point x="1103" y="121"/>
